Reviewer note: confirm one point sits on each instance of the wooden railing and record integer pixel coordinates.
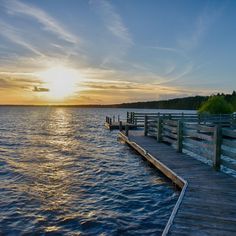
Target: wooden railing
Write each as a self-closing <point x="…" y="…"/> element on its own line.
<point x="211" y="140"/>
<point x="223" y="119"/>
<point x="111" y="120"/>
<point x="228" y="148"/>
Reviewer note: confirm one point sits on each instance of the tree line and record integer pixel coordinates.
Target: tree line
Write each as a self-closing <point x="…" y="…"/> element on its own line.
<point x="186" y="103"/>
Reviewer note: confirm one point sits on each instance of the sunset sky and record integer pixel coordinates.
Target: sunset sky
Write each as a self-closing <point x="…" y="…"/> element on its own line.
<point x="102" y="52"/>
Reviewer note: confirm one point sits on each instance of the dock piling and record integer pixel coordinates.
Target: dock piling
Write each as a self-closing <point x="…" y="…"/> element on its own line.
<point x="159" y="129"/>
<point x="217" y="147"/>
<point x="180" y="136"/>
<point x="145" y="125"/>
<point x="120" y="125"/>
<point x="127" y="130"/>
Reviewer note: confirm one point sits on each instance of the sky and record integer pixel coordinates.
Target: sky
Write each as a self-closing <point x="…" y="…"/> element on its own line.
<point x="106" y="52"/>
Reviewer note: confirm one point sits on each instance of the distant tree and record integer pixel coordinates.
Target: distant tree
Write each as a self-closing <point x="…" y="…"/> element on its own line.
<point x="216" y="105"/>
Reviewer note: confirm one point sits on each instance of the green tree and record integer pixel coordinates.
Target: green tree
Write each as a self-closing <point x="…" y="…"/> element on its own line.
<point x="216" y="105"/>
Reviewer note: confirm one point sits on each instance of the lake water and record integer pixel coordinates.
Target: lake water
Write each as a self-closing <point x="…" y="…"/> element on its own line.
<point x="63" y="173"/>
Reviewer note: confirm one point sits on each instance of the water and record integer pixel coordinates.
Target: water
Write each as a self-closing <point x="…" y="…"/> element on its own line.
<point x="62" y="173"/>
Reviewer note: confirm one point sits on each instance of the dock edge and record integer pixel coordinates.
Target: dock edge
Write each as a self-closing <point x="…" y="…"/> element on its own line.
<point x="180" y="182"/>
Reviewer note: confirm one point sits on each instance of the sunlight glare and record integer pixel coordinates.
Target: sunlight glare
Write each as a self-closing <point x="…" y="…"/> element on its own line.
<point x="61" y="81"/>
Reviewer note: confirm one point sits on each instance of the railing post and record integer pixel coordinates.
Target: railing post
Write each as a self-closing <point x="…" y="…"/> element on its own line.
<point x="114" y="119"/>
<point x="217" y="147"/>
<point x="132" y="117"/>
<point x="118" y="118"/>
<point x="127" y="119"/>
<point x="120" y="125"/>
<point x="233" y="121"/>
<point x="145" y="125"/>
<point x="180" y="136"/>
<point x="159" y="129"/>
<point x="127" y="130"/>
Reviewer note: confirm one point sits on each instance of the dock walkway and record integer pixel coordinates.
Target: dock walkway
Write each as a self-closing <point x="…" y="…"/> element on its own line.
<point x="207" y="202"/>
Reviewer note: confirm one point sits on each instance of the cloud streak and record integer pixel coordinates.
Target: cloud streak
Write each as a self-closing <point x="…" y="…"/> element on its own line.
<point x="113" y="20"/>
<point x="49" y="23"/>
<point x="13" y="35"/>
<point x="201" y="27"/>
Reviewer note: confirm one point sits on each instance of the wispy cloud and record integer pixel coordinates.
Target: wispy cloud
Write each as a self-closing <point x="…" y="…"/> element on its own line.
<point x="17" y="81"/>
<point x="13" y="35"/>
<point x="113" y="20"/>
<point x="200" y="28"/>
<point x="171" y="50"/>
<point x="49" y="23"/>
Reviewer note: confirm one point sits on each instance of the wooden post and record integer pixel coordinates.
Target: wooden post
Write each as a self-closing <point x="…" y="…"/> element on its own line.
<point x="217" y="147"/>
<point x="110" y="120"/>
<point x="118" y="118"/>
<point x="127" y="130"/>
<point x="159" y="130"/>
<point x="132" y="117"/>
<point x="180" y="136"/>
<point x="114" y="119"/>
<point x="145" y="125"/>
<point x="120" y="125"/>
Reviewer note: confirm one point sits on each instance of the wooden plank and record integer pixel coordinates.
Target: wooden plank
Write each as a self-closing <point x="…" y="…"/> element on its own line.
<point x="168" y="140"/>
<point x="199" y="127"/>
<point x="170" y="128"/>
<point x="170" y="122"/>
<point x="195" y="134"/>
<point x="229" y="153"/>
<point x="199" y="212"/>
<point x="151" y="130"/>
<point x="198" y="151"/>
<point x="229" y="143"/>
<point x="169" y="134"/>
<point x="229" y="133"/>
<point x="198" y="143"/>
<point x="228" y="164"/>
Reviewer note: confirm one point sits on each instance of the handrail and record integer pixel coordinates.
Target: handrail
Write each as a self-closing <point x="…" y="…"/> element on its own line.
<point x="211" y="141"/>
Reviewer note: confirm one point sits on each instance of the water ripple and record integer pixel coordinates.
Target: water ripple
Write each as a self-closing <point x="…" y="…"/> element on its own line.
<point x="62" y="173"/>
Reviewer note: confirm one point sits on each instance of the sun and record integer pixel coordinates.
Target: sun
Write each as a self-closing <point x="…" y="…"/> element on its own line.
<point x="60" y="81"/>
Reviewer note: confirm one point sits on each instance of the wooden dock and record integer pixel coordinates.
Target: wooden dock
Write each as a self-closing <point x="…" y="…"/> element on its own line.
<point x="173" y="144"/>
<point x="116" y="125"/>
<point x="113" y="123"/>
<point x="206" y="205"/>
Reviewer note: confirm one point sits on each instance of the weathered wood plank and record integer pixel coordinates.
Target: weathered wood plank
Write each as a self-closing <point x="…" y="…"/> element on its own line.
<point x="195" y="134"/>
<point x="199" y="127"/>
<point x="198" y="151"/>
<point x="169" y="134"/>
<point x="198" y="143"/>
<point x="229" y="153"/>
<point x="169" y="140"/>
<point x="229" y="133"/>
<point x="229" y="143"/>
<point x="199" y="212"/>
<point x="228" y="164"/>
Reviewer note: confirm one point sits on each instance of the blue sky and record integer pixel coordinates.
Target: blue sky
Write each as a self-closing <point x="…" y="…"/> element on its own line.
<point x="116" y="51"/>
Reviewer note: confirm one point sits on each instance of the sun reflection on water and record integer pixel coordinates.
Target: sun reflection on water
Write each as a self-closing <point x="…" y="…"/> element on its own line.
<point x="62" y="174"/>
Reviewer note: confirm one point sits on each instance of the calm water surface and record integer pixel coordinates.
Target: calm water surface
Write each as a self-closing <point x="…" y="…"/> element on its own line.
<point x="62" y="173"/>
